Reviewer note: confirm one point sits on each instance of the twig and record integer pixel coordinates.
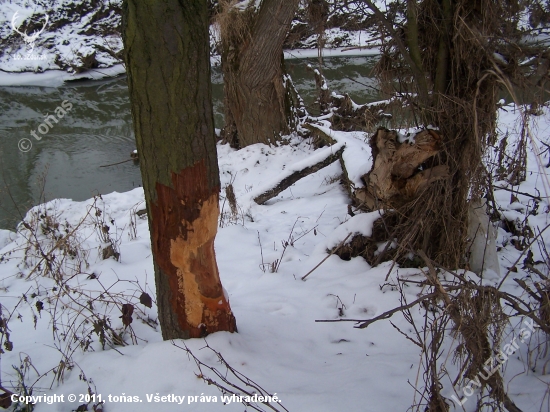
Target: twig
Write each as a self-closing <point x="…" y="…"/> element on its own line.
<point x="385" y="315"/>
<point x="535" y="270"/>
<point x="239" y="379"/>
<point x="329" y="255"/>
<point x="518" y="192"/>
<point x="114" y="164"/>
<point x="522" y="254"/>
<point x="285" y="245"/>
<point x="261" y="252"/>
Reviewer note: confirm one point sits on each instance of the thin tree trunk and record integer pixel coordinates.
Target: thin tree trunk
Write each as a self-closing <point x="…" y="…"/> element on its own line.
<point x="450" y="41"/>
<point x="411" y="30"/>
<point x="258" y="106"/>
<point x="167" y="61"/>
<point x="441" y="75"/>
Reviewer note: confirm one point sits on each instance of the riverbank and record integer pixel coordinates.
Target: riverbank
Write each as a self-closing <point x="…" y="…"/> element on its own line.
<point x="77" y="40"/>
<point x="56" y="78"/>
<point x="309" y="366"/>
<point x="99" y="131"/>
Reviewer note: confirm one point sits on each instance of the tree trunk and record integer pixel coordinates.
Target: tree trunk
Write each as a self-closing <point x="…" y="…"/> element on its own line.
<point x="258" y="106"/>
<point x="447" y="49"/>
<point x="166" y="46"/>
<point x="395" y="178"/>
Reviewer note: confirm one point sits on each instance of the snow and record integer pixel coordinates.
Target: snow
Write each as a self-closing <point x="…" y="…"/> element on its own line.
<point x="357" y="225"/>
<point x="76" y="29"/>
<point x="332" y="52"/>
<point x="55" y="78"/>
<point x="357" y="153"/>
<point x="75" y="35"/>
<point x="6" y="237"/>
<point x="309" y="365"/>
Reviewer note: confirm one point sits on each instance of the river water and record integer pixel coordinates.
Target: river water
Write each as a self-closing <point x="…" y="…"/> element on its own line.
<point x="97" y="131"/>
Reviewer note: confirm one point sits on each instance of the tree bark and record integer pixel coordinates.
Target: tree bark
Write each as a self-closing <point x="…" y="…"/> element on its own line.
<point x="166" y="46"/>
<point x="453" y="91"/>
<point x="258" y="105"/>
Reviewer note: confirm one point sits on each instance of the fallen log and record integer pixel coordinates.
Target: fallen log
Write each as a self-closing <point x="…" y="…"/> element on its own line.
<point x="322" y="136"/>
<point x="285" y="180"/>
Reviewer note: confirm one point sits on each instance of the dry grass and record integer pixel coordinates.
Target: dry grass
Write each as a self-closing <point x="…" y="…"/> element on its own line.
<point x="233" y="23"/>
<point x="464" y="111"/>
<point x="443" y="66"/>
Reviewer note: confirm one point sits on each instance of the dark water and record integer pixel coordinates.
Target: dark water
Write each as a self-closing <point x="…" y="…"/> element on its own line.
<point x="97" y="131"/>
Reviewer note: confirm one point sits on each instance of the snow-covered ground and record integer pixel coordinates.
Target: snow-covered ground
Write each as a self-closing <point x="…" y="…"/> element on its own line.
<point x="59" y="35"/>
<point x="310" y="366"/>
<point x="56" y="334"/>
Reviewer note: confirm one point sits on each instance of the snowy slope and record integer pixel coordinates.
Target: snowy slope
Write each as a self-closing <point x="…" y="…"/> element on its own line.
<point x="77" y="35"/>
<point x="82" y="39"/>
<point x="310" y="366"/>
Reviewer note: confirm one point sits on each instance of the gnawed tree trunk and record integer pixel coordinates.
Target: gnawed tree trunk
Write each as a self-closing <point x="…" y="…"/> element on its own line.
<point x="167" y="61"/>
<point x="396" y="178"/>
<point x="258" y="105"/>
<point x="444" y="60"/>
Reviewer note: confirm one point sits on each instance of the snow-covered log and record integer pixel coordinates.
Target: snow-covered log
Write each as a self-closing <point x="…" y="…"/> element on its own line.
<point x="320" y="159"/>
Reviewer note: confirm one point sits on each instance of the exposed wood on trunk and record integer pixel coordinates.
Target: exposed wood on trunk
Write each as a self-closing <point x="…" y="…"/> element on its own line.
<point x="396" y="176"/>
<point x="288" y="181"/>
<point x="167" y="60"/>
<point x="185" y="220"/>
